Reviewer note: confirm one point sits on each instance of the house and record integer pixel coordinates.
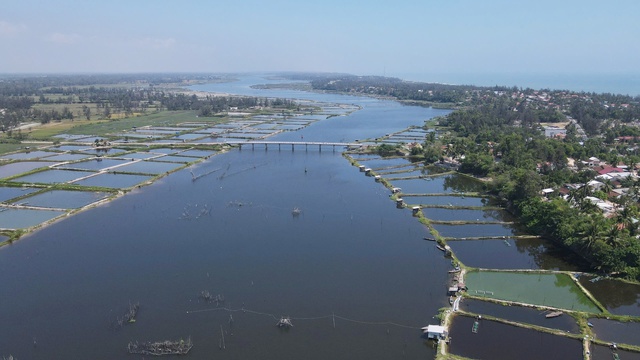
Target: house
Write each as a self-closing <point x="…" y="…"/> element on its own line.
<point x="436" y="332"/>
<point x="593" y="161"/>
<point x="546" y="192"/>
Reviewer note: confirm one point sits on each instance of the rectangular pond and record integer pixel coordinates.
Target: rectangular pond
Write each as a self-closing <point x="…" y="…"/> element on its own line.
<point x="520" y="314"/>
<point x="189" y="136"/>
<point x="139" y="155"/>
<point x="150" y="167"/>
<point x="65" y="199"/>
<point x="116" y="181"/>
<point x="8" y="192"/>
<point x="176" y="159"/>
<point x="68" y="157"/>
<point x="28" y="155"/>
<point x="385" y="163"/>
<point x="452" y="183"/>
<point x="25" y="218"/>
<point x="601" y="352"/>
<point x="475" y="230"/>
<point x="618" y="297"/>
<point x="531" y="254"/>
<point x="21" y="167"/>
<point x="53" y="176"/>
<point x="495" y="340"/>
<point x="555" y="290"/>
<point x="446" y="200"/>
<point x="95" y="164"/>
<point x="197" y="153"/>
<point x="447" y="214"/>
<point x="616" y="331"/>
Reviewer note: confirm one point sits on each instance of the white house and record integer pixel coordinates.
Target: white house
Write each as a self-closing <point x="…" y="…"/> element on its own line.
<point x="435" y="332"/>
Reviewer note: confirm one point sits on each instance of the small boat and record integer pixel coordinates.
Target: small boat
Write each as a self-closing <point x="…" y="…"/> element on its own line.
<point x="553" y="314"/>
<point x="440" y="247"/>
<point x="474" y="328"/>
<point x="455" y="270"/>
<point x="451" y="300"/>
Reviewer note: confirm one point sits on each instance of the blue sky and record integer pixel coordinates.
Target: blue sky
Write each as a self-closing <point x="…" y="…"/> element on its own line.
<point x="360" y="37"/>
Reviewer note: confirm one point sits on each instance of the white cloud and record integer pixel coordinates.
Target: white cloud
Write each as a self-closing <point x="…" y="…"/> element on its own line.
<point x="60" y="38"/>
<point x="158" y="43"/>
<point x="10" y="29"/>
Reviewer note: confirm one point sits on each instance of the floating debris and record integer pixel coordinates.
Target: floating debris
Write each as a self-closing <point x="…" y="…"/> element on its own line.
<point x="285" y="322"/>
<point x="129" y="317"/>
<point x="296" y="212"/>
<point x="207" y="297"/>
<point x="178" y="347"/>
<point x="195" y="212"/>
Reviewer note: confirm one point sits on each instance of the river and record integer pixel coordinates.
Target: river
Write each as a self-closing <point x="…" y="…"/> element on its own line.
<point x="351" y="270"/>
<point x="350" y="253"/>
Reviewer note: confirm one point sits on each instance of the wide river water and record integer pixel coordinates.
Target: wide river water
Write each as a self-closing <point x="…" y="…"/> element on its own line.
<point x="351" y="270"/>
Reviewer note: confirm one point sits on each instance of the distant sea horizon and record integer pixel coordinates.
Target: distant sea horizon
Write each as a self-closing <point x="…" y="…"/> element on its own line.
<point x="615" y="83"/>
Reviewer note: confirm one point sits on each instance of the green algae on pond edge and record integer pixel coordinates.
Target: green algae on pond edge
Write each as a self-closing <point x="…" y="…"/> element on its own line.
<point x="545" y="289"/>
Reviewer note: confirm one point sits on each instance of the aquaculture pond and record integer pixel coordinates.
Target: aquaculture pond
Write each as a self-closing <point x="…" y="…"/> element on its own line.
<point x="196" y="153"/>
<point x="95" y="164"/>
<point x="78" y="148"/>
<point x="175" y="159"/>
<point x="188" y="136"/>
<point x="385" y="163"/>
<point x="618" y="297"/>
<point x="494" y="340"/>
<point x="151" y="167"/>
<point x="21" y="167"/>
<point x="68" y="157"/>
<point x="53" y="176"/>
<point x="528" y="253"/>
<point x="446" y="200"/>
<point x="64" y="199"/>
<point x="476" y="230"/>
<point x="601" y="352"/>
<point x="139" y="155"/>
<point x="24" y="218"/>
<point x="116" y="181"/>
<point x="445" y="214"/>
<point x="9" y="192"/>
<point x="616" y="331"/>
<point x="27" y="155"/>
<point x="520" y="314"/>
<point x="443" y="184"/>
<point x="555" y="290"/>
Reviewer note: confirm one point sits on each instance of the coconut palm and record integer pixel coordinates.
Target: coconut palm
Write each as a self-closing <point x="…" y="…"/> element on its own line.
<point x="593" y="231"/>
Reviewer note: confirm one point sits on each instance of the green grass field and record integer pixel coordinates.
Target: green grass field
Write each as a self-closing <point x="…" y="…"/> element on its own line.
<point x="164" y="118"/>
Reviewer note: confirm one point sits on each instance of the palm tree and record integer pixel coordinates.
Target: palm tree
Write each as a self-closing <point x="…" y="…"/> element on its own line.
<point x="607" y="186"/>
<point x="593" y="231"/>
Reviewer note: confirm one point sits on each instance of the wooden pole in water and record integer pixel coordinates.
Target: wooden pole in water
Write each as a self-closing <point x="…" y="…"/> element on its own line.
<point x="222" y="332"/>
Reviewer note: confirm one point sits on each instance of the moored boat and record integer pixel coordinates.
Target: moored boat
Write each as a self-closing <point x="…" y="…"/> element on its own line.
<point x="553" y="314"/>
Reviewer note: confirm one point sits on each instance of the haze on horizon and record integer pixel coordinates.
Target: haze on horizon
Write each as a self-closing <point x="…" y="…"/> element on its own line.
<point x="370" y="38"/>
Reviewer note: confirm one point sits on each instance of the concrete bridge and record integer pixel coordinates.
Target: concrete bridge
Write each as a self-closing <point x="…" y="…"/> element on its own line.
<point x="294" y="144"/>
<point x="241" y="144"/>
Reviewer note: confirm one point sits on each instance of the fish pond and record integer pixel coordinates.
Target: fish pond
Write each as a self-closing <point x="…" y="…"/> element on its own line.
<point x="494" y="340"/>
<point x="618" y="297"/>
<point x="520" y="314"/>
<point x="616" y="331"/>
<point x="546" y="289"/>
